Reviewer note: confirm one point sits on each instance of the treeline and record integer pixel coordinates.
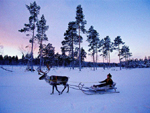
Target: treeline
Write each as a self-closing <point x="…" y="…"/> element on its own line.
<point x="9" y="60"/>
<point x="137" y="63"/>
<point x="61" y="61"/>
<point x="57" y="60"/>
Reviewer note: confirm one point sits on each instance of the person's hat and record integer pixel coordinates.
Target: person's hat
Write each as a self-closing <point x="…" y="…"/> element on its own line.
<point x="109" y="75"/>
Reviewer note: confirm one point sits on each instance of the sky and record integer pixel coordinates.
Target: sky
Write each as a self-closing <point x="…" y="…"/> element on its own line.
<point x="129" y="19"/>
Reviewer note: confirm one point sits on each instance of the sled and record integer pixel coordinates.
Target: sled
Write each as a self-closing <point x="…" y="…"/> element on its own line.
<point x="98" y="90"/>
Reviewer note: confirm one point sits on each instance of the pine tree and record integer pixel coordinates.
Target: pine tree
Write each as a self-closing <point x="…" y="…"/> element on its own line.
<point x="16" y="59"/>
<point x="48" y="54"/>
<point x="57" y="56"/>
<point x="93" y="40"/>
<point x="34" y="11"/>
<point x="117" y="42"/>
<point x="125" y="53"/>
<point x="1" y="59"/>
<point x="71" y="38"/>
<point x="41" y="36"/>
<point x="81" y="27"/>
<point x="108" y="47"/>
<point x="101" y="49"/>
<point x="76" y="53"/>
<point x="83" y="55"/>
<point x="63" y="56"/>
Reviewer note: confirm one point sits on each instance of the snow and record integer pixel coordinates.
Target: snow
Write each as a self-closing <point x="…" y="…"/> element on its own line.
<point x="23" y="92"/>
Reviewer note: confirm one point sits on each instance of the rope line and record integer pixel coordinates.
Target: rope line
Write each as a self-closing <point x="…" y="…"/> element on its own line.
<point x="75" y="88"/>
<point x="82" y="82"/>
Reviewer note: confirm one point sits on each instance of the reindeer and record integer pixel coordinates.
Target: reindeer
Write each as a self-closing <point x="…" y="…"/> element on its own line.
<point x="55" y="80"/>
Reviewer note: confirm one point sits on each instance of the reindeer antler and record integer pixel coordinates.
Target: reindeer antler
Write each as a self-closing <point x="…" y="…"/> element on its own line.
<point x="40" y="71"/>
<point x="48" y="67"/>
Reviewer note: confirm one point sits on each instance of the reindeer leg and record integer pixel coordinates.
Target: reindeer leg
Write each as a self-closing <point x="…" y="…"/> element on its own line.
<point x="68" y="88"/>
<point x="65" y="88"/>
<point x="57" y="89"/>
<point x="52" y="90"/>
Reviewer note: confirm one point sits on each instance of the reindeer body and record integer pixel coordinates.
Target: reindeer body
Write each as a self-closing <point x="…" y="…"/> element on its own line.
<point x="56" y="80"/>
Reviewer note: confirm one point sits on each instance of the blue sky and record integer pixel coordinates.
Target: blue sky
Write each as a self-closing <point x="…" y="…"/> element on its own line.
<point x="129" y="19"/>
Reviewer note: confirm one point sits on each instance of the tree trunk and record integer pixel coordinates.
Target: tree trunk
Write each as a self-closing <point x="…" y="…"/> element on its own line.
<point x="41" y="54"/>
<point x="93" y="63"/>
<point x="41" y="51"/>
<point x="79" y="51"/>
<point x="119" y="56"/>
<point x="31" y="63"/>
<point x="96" y="57"/>
<point x="125" y="59"/>
<point x="103" y="60"/>
<point x="109" y="59"/>
<point x="72" y="54"/>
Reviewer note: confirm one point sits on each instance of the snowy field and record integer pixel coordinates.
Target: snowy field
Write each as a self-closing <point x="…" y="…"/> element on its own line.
<point x="23" y="92"/>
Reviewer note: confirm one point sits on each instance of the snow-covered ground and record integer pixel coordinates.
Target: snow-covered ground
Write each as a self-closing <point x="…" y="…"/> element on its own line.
<point x="23" y="92"/>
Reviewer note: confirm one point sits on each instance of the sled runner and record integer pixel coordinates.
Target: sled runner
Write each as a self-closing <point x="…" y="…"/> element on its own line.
<point x="98" y="90"/>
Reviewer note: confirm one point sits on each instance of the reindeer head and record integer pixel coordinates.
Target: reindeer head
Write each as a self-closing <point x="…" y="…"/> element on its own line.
<point x="44" y="74"/>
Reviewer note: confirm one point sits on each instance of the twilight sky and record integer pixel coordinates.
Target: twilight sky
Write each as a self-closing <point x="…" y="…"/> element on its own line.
<point x="129" y="19"/>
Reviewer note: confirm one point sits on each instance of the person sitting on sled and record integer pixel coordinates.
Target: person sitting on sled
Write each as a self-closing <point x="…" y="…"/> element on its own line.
<point x="107" y="81"/>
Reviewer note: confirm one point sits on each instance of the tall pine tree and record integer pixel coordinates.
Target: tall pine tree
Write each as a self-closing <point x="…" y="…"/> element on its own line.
<point x="101" y="49"/>
<point x="81" y="27"/>
<point x="117" y="42"/>
<point x="125" y="53"/>
<point x="93" y="40"/>
<point x="83" y="55"/>
<point x="48" y="54"/>
<point x="108" y="47"/>
<point x="41" y="36"/>
<point x="71" y="38"/>
<point x="34" y="11"/>
<point x="63" y="56"/>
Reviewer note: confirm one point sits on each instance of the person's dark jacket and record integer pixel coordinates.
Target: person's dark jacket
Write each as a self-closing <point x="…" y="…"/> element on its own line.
<point x="107" y="81"/>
